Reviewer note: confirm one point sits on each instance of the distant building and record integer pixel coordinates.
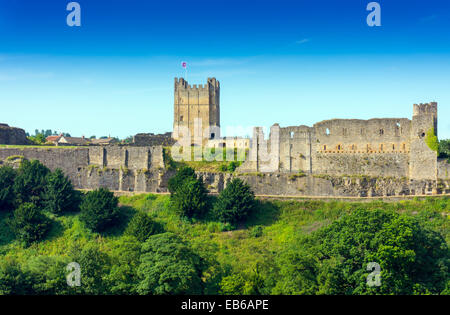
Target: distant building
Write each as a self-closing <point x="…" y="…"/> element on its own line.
<point x="104" y="141"/>
<point x="53" y="139"/>
<point x="72" y="141"/>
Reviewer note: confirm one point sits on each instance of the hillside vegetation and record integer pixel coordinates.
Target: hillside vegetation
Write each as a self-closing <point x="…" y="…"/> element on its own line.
<point x="192" y="243"/>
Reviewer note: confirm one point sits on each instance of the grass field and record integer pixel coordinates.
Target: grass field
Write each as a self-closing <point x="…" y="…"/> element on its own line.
<point x="239" y="250"/>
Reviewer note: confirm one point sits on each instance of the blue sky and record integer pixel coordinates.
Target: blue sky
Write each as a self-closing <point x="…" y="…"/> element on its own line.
<point x="291" y="62"/>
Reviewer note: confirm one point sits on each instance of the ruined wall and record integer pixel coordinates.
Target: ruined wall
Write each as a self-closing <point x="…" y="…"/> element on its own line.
<point x="115" y="168"/>
<point x="278" y="184"/>
<point x="149" y="140"/>
<point x="377" y="147"/>
<point x="13" y="136"/>
<point x="67" y="159"/>
<point x="443" y="169"/>
<point x="295" y="149"/>
<point x="423" y="161"/>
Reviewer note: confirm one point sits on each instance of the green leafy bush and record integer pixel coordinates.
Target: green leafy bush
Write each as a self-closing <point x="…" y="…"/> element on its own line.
<point x="168" y="266"/>
<point x="256" y="231"/>
<point x="99" y="210"/>
<point x="95" y="267"/>
<point x="48" y="275"/>
<point x="59" y="195"/>
<point x="7" y="176"/>
<point x="142" y="226"/>
<point x="334" y="260"/>
<point x="13" y="281"/>
<point x="29" y="224"/>
<point x="30" y="182"/>
<point x="235" y="202"/>
<point x="444" y="148"/>
<point x="182" y="175"/>
<point x="432" y="140"/>
<point x="191" y="199"/>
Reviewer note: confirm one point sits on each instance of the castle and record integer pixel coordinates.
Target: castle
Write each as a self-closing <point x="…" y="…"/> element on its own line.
<point x="391" y="147"/>
<point x="196" y="110"/>
<point x="333" y="158"/>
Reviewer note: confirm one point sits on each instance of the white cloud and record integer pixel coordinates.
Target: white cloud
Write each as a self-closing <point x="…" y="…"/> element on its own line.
<point x="302" y="41"/>
<point x="24" y="75"/>
<point x="428" y="18"/>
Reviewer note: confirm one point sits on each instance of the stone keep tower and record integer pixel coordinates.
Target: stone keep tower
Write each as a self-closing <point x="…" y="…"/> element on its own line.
<point x="194" y="105"/>
<point x="423" y="160"/>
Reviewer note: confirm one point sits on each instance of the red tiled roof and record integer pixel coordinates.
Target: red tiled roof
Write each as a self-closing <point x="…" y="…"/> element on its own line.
<point x="52" y="138"/>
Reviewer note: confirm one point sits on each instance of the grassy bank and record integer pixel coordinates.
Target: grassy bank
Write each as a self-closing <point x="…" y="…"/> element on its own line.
<point x="273" y="226"/>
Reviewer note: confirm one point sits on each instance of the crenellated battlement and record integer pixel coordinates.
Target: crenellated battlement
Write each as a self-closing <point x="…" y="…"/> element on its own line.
<point x="426" y="108"/>
<point x="182" y="84"/>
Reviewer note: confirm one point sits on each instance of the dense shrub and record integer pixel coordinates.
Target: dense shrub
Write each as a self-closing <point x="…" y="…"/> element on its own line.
<point x="95" y="266"/>
<point x="29" y="224"/>
<point x="122" y="278"/>
<point x="235" y="202"/>
<point x="334" y="260"/>
<point x="168" y="266"/>
<point x="191" y="199"/>
<point x="444" y="149"/>
<point x="30" y="182"/>
<point x="183" y="175"/>
<point x="59" y="195"/>
<point x="142" y="226"/>
<point x="99" y="210"/>
<point x="13" y="281"/>
<point x="48" y="275"/>
<point x="7" y="176"/>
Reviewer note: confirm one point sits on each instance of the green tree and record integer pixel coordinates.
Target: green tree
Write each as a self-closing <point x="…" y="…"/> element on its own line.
<point x="298" y="270"/>
<point x="235" y="202"/>
<point x="95" y="267"/>
<point x="59" y="195"/>
<point x="122" y="278"/>
<point x="183" y="175"/>
<point x="13" y="281"/>
<point x="48" y="275"/>
<point x="142" y="226"/>
<point x="412" y="258"/>
<point x="191" y="199"/>
<point x="30" y="182"/>
<point x="444" y="148"/>
<point x="233" y="284"/>
<point x="29" y="224"/>
<point x="168" y="266"/>
<point x="99" y="210"/>
<point x="7" y="177"/>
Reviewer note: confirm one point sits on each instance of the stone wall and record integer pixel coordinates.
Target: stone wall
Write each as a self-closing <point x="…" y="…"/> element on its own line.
<point x="115" y="168"/>
<point x="392" y="147"/>
<point x="13" y="136"/>
<point x="149" y="139"/>
<point x="277" y="184"/>
<point x="443" y="169"/>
